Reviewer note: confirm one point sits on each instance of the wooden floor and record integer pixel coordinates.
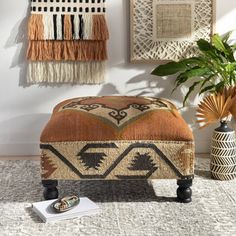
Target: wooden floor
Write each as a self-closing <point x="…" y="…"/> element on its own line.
<point x="37" y="158"/>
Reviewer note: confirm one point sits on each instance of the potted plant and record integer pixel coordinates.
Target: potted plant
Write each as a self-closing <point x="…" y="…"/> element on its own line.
<point x="215" y="107"/>
<point x="213" y="72"/>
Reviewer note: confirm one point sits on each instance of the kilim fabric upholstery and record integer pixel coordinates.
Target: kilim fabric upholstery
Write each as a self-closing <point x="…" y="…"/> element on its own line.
<point x="116" y="138"/>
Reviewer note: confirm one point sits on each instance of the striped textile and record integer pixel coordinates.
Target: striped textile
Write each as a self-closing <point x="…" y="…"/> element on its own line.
<point x="70" y="32"/>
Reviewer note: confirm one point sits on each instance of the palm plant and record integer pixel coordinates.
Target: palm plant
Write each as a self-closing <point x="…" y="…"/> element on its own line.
<point x="211" y="71"/>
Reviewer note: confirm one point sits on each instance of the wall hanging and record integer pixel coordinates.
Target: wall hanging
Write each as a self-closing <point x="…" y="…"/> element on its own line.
<point x="163" y="30"/>
<point x="67" y="41"/>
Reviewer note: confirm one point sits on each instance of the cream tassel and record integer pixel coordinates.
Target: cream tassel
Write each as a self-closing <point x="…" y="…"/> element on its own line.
<point x="76" y="27"/>
<point x="59" y="28"/>
<point x="88" y="26"/>
<point x="66" y="72"/>
<point x="48" y="27"/>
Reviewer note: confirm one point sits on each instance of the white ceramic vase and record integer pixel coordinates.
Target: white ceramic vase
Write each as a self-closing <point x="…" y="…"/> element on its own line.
<point x="223" y="153"/>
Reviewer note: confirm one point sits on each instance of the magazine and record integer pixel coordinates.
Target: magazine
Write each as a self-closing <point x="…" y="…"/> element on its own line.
<point x="47" y="214"/>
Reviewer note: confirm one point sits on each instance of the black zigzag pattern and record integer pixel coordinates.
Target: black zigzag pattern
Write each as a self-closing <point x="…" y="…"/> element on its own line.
<point x="222" y="144"/>
<point x="99" y="160"/>
<point x="223" y="156"/>
<point x="223" y="160"/>
<point x="221" y="136"/>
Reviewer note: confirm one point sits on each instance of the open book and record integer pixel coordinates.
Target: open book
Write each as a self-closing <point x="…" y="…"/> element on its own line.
<point x="46" y="213"/>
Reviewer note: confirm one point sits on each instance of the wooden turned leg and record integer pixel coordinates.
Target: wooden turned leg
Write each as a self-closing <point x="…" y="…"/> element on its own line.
<point x="50" y="189"/>
<point x="184" y="192"/>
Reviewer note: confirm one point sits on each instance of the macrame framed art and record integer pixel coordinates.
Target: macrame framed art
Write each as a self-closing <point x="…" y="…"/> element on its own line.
<point x="67" y="41"/>
<point x="163" y="30"/>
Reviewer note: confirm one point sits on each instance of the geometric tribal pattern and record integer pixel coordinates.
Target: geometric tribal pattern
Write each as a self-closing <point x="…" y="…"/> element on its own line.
<point x="45" y="161"/>
<point x="118" y="160"/>
<point x="117" y="117"/>
<point x="223" y="155"/>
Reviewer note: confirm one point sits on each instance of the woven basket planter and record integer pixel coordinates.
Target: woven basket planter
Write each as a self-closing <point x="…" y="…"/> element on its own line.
<point x="223" y="153"/>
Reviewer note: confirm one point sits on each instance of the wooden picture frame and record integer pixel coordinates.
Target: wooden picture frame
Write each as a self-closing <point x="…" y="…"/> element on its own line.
<point x="144" y="47"/>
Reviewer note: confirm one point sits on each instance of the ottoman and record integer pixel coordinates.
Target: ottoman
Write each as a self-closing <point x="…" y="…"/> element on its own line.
<point x="117" y="138"/>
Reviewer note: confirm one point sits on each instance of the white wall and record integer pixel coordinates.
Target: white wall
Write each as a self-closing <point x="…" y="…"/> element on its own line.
<point x="25" y="110"/>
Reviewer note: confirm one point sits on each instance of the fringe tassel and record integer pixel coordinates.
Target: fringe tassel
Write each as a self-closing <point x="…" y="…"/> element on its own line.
<point x="36" y="27"/>
<point x="67" y="27"/>
<point x="59" y="27"/>
<point x="66" y="72"/>
<point x="88" y="27"/>
<point x="48" y="27"/>
<point x="86" y="50"/>
<point x="76" y="26"/>
<point x="100" y="30"/>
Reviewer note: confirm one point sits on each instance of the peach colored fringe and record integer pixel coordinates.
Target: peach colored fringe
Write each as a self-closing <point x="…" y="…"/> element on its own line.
<point x="66" y="72"/>
<point x="67" y="28"/>
<point x="36" y="28"/>
<point x="67" y="50"/>
<point x="100" y="29"/>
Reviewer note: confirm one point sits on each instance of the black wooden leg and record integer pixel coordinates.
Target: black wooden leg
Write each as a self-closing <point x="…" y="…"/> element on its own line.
<point x="50" y="189"/>
<point x="184" y="192"/>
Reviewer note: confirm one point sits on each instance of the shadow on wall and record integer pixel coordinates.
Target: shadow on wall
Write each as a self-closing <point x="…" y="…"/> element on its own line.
<point x="144" y="84"/>
<point x="108" y="89"/>
<point x="15" y="133"/>
<point x="162" y="87"/>
<point x="19" y="37"/>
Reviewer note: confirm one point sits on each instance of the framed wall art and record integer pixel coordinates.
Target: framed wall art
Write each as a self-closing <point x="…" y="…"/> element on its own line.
<point x="163" y="30"/>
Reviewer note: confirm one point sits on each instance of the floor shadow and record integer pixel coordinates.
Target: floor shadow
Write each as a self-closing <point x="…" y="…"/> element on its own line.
<point x="202" y="168"/>
<point x="203" y="173"/>
<point x="28" y="187"/>
<point x="34" y="217"/>
<point x="113" y="191"/>
<point x="98" y="191"/>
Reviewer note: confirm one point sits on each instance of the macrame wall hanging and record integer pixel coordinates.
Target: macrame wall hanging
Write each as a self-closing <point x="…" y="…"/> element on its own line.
<point x="67" y="41"/>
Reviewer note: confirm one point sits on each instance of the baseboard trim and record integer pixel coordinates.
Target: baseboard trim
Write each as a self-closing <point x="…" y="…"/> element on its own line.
<point x="19" y="158"/>
<point x="19" y="149"/>
<point x="37" y="157"/>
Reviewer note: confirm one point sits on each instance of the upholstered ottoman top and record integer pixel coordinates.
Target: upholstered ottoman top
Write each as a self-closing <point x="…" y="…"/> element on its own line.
<point x="115" y="118"/>
<point x="116" y="138"/>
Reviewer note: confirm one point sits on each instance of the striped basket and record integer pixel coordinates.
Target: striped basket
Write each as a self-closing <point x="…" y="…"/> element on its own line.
<point x="223" y="155"/>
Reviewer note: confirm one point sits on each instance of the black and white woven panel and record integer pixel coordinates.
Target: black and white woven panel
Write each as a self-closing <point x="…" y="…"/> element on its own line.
<point x="68" y="6"/>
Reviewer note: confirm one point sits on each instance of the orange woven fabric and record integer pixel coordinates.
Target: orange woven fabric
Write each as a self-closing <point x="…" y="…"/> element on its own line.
<point x="116" y="118"/>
